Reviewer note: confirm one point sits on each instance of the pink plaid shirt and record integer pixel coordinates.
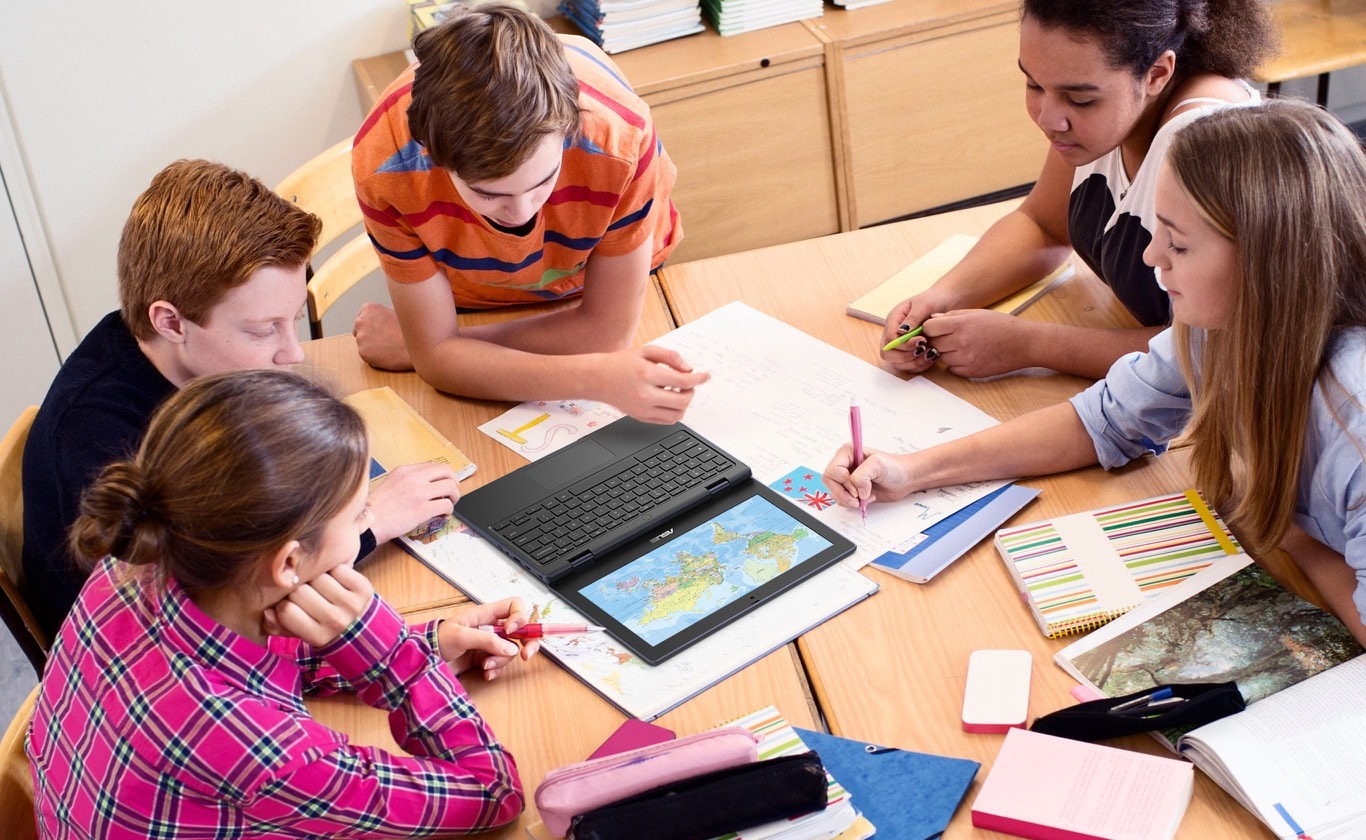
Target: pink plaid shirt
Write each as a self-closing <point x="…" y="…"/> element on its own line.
<point x="155" y="721"/>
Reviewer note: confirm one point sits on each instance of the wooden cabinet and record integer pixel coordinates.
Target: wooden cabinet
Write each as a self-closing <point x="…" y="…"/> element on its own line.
<point x="933" y="104"/>
<point x="746" y="119"/>
<point x="829" y="124"/>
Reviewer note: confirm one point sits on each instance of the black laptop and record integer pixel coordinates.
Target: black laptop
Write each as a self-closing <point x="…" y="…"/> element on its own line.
<point x="652" y="531"/>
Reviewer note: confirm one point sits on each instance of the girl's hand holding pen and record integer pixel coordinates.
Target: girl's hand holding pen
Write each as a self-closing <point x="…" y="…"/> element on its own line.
<point x="467" y="647"/>
<point x="903" y="345"/>
<point x="882" y="477"/>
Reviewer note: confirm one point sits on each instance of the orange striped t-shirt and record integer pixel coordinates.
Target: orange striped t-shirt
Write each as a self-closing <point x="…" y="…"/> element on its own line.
<point x="611" y="195"/>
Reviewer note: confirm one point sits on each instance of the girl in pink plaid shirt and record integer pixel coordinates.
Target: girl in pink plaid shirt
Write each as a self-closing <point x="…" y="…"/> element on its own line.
<point x="172" y="704"/>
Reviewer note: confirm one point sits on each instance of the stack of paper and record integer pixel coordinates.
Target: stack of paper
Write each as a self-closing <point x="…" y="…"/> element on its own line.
<point x="620" y="25"/>
<point x="735" y="16"/>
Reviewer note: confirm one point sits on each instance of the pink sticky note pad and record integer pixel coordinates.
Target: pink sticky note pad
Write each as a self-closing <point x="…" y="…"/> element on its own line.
<point x="630" y="735"/>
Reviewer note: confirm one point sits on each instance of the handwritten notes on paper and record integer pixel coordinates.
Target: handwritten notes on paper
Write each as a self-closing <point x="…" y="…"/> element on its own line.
<point x="779" y="398"/>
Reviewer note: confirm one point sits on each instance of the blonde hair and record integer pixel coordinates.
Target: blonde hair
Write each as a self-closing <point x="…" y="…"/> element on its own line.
<point x="491" y="83"/>
<point x="232" y="467"/>
<point x="1286" y="183"/>
<point x="199" y="230"/>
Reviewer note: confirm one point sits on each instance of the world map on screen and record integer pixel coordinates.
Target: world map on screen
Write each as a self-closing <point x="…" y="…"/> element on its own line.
<point x="724" y="559"/>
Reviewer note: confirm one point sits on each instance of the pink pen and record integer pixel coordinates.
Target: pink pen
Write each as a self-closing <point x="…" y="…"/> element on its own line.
<point x="856" y="432"/>
<point x="536" y="631"/>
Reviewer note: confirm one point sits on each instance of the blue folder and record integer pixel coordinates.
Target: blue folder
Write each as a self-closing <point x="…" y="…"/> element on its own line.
<point x="950" y="538"/>
<point x="905" y="795"/>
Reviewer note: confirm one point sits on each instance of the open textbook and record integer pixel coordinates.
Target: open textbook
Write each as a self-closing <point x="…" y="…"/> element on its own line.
<point x="1293" y="757"/>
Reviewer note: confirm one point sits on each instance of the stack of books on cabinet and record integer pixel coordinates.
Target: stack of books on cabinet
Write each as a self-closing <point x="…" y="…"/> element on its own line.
<point x="620" y="25"/>
<point x="732" y="17"/>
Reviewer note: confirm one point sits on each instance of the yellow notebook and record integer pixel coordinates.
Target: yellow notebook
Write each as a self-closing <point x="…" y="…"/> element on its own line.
<point x="399" y="435"/>
<point x="925" y="271"/>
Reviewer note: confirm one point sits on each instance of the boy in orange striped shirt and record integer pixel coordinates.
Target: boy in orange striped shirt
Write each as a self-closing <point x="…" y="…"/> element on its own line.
<point x="512" y="166"/>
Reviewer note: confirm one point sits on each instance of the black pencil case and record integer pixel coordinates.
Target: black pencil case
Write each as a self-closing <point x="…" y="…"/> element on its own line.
<point x="712" y="804"/>
<point x="1097" y="720"/>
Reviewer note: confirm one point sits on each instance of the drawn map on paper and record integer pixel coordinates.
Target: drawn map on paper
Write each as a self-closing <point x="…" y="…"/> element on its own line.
<point x="637" y="688"/>
<point x="673" y="587"/>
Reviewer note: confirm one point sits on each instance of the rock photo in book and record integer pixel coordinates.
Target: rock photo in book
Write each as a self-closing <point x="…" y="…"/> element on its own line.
<point x="1247" y="628"/>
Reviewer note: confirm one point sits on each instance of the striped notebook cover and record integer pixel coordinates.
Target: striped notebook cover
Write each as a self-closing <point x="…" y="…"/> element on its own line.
<point x="1079" y="571"/>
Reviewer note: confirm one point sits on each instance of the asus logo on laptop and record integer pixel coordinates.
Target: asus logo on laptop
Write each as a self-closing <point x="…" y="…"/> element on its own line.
<point x="662" y="536"/>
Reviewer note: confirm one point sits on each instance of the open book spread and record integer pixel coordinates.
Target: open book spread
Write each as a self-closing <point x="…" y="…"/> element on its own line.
<point x="1292" y="762"/>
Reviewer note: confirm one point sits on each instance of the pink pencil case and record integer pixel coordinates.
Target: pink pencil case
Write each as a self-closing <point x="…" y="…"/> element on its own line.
<point x="578" y="788"/>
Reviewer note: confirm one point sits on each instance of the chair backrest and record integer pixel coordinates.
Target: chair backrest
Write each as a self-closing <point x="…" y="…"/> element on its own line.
<point x="18" y="617"/>
<point x="16" y="781"/>
<point x="352" y="263"/>
<point x="323" y="186"/>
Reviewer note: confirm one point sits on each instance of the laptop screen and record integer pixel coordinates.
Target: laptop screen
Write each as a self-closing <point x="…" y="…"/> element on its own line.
<point x="712" y="566"/>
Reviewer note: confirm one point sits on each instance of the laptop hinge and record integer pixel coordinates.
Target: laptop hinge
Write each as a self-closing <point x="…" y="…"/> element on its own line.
<point x="718" y="487"/>
<point x="580" y="559"/>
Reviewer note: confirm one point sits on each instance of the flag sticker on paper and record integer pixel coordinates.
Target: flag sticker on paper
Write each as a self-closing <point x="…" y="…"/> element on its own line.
<point x="803" y="485"/>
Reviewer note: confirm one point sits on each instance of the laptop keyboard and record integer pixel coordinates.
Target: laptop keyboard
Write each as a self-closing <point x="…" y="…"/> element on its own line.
<point x="558" y="524"/>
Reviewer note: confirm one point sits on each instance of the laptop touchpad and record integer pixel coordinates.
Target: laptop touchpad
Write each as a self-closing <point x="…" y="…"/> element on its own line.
<point x="569" y="464"/>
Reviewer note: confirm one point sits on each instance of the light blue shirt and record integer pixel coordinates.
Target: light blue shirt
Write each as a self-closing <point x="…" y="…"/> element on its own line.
<point x="1143" y="402"/>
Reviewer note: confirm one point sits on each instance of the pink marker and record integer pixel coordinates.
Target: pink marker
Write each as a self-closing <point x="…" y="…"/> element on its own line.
<point x="536" y="631"/>
<point x="856" y="432"/>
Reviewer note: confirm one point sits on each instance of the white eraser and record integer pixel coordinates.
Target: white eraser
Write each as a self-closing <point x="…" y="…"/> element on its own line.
<point x="997" y="694"/>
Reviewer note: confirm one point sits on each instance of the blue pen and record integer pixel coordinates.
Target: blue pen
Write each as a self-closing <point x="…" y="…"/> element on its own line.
<point x="1147" y="699"/>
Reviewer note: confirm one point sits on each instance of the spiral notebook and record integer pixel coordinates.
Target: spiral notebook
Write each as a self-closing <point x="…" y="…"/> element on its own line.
<point x="1077" y="572"/>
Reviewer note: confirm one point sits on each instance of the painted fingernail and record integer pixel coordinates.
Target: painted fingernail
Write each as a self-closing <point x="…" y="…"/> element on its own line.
<point x="920" y="348"/>
<point x="932" y="355"/>
<point x="904" y="328"/>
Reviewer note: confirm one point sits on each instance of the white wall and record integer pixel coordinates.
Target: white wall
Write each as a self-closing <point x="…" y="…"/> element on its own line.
<point x="103" y="94"/>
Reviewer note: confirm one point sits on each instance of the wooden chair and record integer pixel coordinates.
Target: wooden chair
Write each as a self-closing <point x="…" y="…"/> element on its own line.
<point x="16" y="783"/>
<point x="18" y="617"/>
<point x="323" y="187"/>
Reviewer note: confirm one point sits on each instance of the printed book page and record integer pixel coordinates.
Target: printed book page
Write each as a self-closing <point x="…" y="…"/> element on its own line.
<point x="1220" y="625"/>
<point x="1295" y="758"/>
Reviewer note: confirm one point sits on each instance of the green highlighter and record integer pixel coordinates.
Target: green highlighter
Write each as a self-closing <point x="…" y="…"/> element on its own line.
<point x="902" y="339"/>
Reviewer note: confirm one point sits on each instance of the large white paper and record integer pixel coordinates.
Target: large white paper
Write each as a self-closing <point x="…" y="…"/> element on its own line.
<point x="779" y="398"/>
<point x="637" y="688"/>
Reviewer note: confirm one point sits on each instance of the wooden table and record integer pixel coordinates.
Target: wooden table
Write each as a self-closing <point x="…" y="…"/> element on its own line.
<point x="545" y="716"/>
<point x="1318" y="37"/>
<point x="892" y="669"/>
